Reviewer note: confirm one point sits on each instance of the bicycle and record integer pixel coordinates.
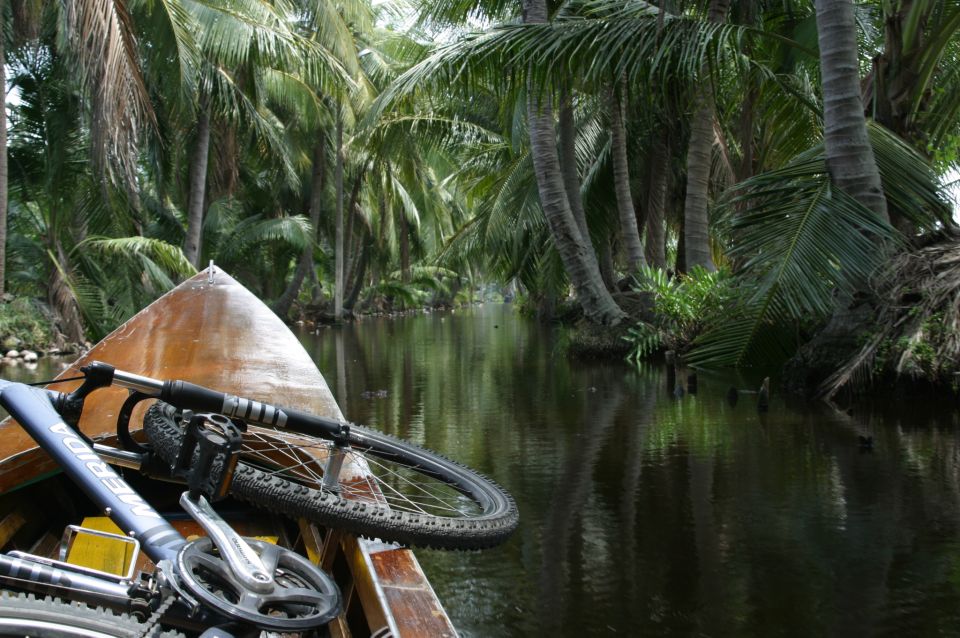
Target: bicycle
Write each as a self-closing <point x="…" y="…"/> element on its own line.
<point x="298" y="465"/>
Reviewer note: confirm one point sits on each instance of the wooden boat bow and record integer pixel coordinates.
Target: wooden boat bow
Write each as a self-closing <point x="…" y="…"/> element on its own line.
<point x="212" y="331"/>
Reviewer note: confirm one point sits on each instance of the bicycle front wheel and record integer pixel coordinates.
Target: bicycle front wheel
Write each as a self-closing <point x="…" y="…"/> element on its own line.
<point x="26" y="615"/>
<point x="388" y="488"/>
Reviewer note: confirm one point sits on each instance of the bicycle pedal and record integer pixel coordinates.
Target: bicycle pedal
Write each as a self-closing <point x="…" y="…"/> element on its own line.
<point x="208" y="455"/>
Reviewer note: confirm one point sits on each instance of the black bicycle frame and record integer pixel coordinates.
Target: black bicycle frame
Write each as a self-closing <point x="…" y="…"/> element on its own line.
<point x="32" y="410"/>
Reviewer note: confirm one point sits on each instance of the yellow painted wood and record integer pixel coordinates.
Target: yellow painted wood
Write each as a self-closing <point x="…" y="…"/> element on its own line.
<point x="110" y="555"/>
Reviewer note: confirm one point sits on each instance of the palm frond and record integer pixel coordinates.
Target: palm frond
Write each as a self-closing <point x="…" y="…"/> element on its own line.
<point x="102" y="37"/>
<point x="601" y="38"/>
<point x="232" y="32"/>
<point x="254" y="232"/>
<point x="169" y="258"/>
<point x="797" y="242"/>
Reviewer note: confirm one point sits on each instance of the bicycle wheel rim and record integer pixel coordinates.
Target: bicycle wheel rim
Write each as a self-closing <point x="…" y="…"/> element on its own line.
<point x="287" y="479"/>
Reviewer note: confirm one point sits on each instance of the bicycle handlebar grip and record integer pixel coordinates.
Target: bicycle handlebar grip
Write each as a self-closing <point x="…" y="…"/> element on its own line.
<point x="190" y="396"/>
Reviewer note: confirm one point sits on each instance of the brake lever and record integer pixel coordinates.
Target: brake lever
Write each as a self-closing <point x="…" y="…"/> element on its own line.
<point x="96" y="375"/>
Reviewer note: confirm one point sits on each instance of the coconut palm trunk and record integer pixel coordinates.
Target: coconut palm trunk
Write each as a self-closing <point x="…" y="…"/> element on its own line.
<point x="3" y="157"/>
<point x="850" y="159"/>
<point x="350" y="238"/>
<point x="404" y="231"/>
<point x="359" y="275"/>
<point x="621" y="182"/>
<point x="305" y="263"/>
<point x="568" y="161"/>
<point x="655" y="247"/>
<point x="338" y="241"/>
<point x="61" y="296"/>
<point x="577" y="254"/>
<point x="696" y="221"/>
<point x="571" y="181"/>
<point x="198" y="186"/>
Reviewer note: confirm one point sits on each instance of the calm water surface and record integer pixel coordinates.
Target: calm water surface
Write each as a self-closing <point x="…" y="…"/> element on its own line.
<point x="644" y="514"/>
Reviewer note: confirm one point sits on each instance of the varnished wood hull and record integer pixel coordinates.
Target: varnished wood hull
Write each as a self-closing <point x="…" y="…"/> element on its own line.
<point x="214" y="332"/>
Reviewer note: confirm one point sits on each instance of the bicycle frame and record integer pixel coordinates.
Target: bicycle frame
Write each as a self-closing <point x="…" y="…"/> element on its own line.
<point x="107" y="489"/>
<point x="138" y="519"/>
<point x="34" y="410"/>
<point x="262" y="576"/>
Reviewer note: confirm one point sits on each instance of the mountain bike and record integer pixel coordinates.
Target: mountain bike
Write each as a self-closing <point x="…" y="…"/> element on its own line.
<point x="289" y="461"/>
<point x="221" y="584"/>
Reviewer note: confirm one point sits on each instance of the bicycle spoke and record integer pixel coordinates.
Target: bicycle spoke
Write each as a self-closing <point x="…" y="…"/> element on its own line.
<point x="388" y="483"/>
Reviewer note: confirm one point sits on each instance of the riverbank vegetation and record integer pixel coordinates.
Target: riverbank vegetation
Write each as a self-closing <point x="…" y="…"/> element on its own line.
<point x="347" y="157"/>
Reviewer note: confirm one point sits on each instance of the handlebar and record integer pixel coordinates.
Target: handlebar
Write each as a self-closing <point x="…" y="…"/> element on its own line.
<point x="190" y="396"/>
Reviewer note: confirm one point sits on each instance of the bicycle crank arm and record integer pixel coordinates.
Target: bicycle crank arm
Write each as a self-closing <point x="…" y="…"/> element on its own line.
<point x="241" y="559"/>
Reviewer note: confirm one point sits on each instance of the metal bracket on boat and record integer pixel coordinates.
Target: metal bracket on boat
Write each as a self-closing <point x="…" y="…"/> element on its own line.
<point x="338" y="451"/>
<point x="210" y="272"/>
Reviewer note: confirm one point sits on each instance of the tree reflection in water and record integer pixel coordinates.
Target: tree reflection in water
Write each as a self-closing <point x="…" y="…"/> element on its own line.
<point x="648" y="515"/>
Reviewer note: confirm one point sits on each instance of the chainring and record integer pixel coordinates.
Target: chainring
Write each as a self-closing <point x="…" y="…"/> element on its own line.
<point x="302" y="597"/>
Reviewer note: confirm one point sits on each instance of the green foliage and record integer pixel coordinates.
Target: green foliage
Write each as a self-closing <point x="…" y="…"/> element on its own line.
<point x="683" y="307"/>
<point x="798" y="243"/>
<point x="427" y="285"/>
<point x="27" y="321"/>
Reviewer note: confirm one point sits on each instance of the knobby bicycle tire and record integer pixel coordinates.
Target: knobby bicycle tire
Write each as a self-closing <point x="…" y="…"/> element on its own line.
<point x="473" y="512"/>
<point x="27" y="615"/>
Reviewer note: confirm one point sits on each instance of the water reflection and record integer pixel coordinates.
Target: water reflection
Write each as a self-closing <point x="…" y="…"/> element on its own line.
<point x="644" y="514"/>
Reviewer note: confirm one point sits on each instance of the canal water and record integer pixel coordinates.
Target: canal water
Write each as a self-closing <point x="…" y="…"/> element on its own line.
<point x="648" y="514"/>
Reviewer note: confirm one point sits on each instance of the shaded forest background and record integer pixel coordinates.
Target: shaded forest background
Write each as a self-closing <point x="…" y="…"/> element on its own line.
<point x="740" y="182"/>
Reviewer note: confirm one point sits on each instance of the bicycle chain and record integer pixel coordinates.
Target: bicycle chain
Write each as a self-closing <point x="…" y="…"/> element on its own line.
<point x="151" y="623"/>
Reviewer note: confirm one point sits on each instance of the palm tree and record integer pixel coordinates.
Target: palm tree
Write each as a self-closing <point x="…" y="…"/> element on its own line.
<point x="699" y="159"/>
<point x="575" y="251"/>
<point x="198" y="184"/>
<point x="621" y="181"/>
<point x="849" y="154"/>
<point x="338" y="242"/>
<point x="101" y="41"/>
<point x="305" y="263"/>
<point x="65" y="229"/>
<point x="3" y="149"/>
<point x="568" y="159"/>
<point x="254" y="60"/>
<point x="659" y="171"/>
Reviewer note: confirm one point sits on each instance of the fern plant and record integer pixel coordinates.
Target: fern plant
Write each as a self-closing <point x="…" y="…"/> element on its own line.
<point x="683" y="306"/>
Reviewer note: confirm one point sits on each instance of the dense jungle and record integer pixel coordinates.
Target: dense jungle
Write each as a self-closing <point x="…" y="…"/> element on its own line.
<point x="752" y="184"/>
